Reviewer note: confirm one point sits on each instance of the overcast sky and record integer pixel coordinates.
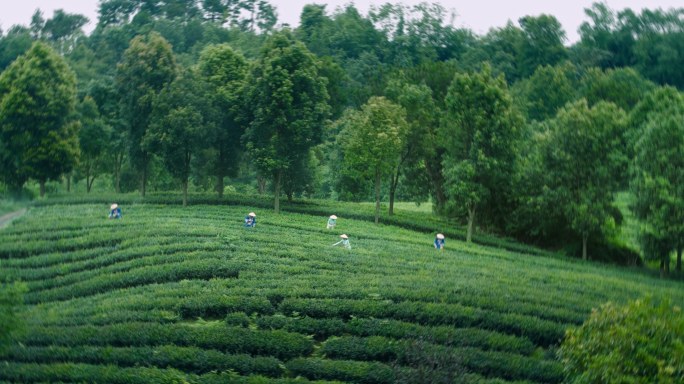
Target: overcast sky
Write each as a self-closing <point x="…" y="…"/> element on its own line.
<point x="478" y="15"/>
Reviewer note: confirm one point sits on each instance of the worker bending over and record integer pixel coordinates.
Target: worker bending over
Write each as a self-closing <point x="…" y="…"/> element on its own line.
<point x="439" y="241"/>
<point x="332" y="221"/>
<point x="250" y="220"/>
<point x="344" y="241"/>
<point x="115" y="212"/>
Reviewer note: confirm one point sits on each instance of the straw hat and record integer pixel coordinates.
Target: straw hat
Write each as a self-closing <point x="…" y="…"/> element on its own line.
<point x="440" y="236"/>
<point x="251" y="214"/>
<point x="333" y="217"/>
<point x="344" y="236"/>
<point x="113" y="207"/>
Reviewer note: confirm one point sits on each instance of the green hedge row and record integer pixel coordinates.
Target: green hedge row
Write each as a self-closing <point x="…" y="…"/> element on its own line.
<point x="360" y="372"/>
<point x="85" y="373"/>
<point x="122" y="267"/>
<point x="409" y="220"/>
<point x="188" y="359"/>
<point x="279" y="344"/>
<point x="456" y="337"/>
<point x="50" y="259"/>
<point x="540" y="332"/>
<point x="195" y="269"/>
<point x="96" y="262"/>
<point x="497" y="364"/>
<point x="216" y="306"/>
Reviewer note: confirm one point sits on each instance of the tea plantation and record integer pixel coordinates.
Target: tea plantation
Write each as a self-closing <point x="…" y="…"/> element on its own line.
<point x="192" y="296"/>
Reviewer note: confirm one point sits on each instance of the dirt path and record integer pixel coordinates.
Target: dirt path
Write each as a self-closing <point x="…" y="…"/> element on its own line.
<point x="6" y="219"/>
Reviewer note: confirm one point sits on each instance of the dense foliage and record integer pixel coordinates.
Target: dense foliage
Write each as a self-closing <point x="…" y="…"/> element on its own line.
<point x="268" y="107"/>
<point x="638" y="343"/>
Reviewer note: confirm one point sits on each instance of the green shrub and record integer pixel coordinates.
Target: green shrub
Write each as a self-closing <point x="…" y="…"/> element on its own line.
<point x="641" y="342"/>
<point x="237" y="319"/>
<point x="353" y="371"/>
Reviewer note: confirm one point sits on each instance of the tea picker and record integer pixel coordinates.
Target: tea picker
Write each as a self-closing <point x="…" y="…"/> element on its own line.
<point x="115" y="212"/>
<point x="344" y="241"/>
<point x="439" y="241"/>
<point x="250" y="220"/>
<point x="332" y="221"/>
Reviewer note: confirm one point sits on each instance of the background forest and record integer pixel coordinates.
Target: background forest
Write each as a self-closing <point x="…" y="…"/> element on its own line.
<point x="511" y="133"/>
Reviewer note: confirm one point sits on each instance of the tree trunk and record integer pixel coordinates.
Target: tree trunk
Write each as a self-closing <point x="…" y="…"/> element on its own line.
<point x="289" y="197"/>
<point x="68" y="176"/>
<point x="667" y="267"/>
<point x="220" y="173"/>
<point x="118" y="161"/>
<point x="585" y="237"/>
<point x="88" y="179"/>
<point x="261" y="184"/>
<point x="393" y="189"/>
<point x="4" y="189"/>
<point x="471" y="223"/>
<point x="277" y="191"/>
<point x="144" y="176"/>
<point x="377" y="196"/>
<point x="185" y="193"/>
<point x="436" y="184"/>
<point x="662" y="269"/>
<point x="42" y="187"/>
<point x="678" y="266"/>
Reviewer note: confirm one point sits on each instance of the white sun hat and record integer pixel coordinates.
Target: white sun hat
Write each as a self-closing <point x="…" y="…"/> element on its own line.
<point x="113" y="207"/>
<point x="344" y="236"/>
<point x="333" y="217"/>
<point x="252" y="214"/>
<point x="440" y="236"/>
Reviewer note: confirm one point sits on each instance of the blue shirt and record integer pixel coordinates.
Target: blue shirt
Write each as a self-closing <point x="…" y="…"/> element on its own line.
<point x="439" y="243"/>
<point x="250" y="222"/>
<point x="116" y="213"/>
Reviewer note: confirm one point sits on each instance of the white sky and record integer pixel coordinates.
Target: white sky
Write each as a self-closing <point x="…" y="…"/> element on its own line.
<point x="477" y="15"/>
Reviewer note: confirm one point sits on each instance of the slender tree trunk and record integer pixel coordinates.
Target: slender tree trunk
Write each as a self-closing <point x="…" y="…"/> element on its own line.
<point x="667" y="267"/>
<point x="678" y="266"/>
<point x="88" y="179"/>
<point x="585" y="238"/>
<point x="68" y="176"/>
<point x="289" y="196"/>
<point x="377" y="196"/>
<point x="116" y="186"/>
<point x="144" y="175"/>
<point x="277" y="191"/>
<point x="185" y="193"/>
<point x="42" y="187"/>
<point x="220" y="173"/>
<point x="118" y="162"/>
<point x="4" y="189"/>
<point x="662" y="269"/>
<point x="261" y="184"/>
<point x="393" y="189"/>
<point x="471" y="223"/>
<point x="436" y="184"/>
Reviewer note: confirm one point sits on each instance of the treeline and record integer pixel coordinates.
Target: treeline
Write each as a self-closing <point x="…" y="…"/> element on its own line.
<point x="511" y="131"/>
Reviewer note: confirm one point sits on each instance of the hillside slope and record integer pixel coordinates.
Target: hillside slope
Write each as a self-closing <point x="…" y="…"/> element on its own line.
<point x="205" y="300"/>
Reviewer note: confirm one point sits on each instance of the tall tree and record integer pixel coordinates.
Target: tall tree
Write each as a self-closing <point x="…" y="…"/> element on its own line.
<point x="421" y="112"/>
<point x="103" y="92"/>
<point x="542" y="45"/>
<point x="658" y="186"/>
<point x="481" y="137"/>
<point x="582" y="158"/>
<point x="548" y="90"/>
<point x="180" y="127"/>
<point x="37" y="98"/>
<point x="93" y="140"/>
<point x="224" y="71"/>
<point x="373" y="139"/>
<point x="622" y="86"/>
<point x="147" y="68"/>
<point x="286" y="105"/>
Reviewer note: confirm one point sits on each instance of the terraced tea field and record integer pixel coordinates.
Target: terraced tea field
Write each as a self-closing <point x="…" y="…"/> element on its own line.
<point x="191" y="295"/>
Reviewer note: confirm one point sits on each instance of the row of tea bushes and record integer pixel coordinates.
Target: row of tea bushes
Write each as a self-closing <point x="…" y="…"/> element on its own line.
<point x="279" y="344"/>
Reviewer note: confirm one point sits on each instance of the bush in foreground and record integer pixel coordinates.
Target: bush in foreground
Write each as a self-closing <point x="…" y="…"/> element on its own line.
<point x="639" y="343"/>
